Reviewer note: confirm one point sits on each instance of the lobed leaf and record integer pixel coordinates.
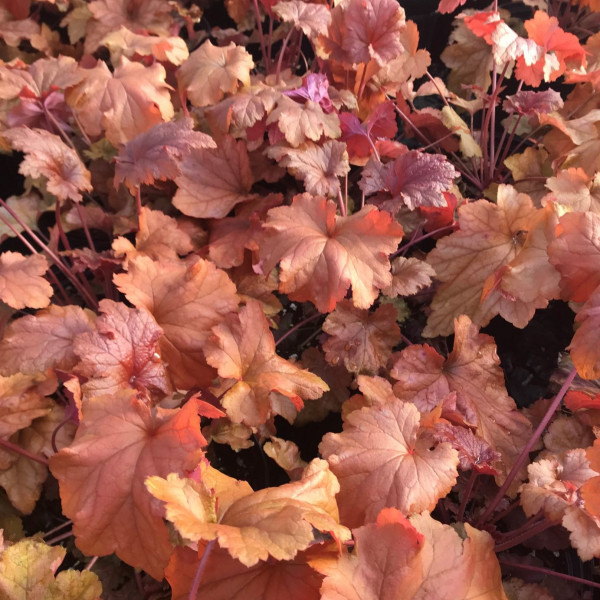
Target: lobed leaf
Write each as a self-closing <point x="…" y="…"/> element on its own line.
<point x="119" y="443"/>
<point x="382" y="459"/>
<point x="242" y="349"/>
<point x="321" y="255"/>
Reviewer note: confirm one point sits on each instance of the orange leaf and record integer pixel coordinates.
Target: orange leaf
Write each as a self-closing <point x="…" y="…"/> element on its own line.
<point x="590" y="491"/>
<point x="213" y="180"/>
<point x="319" y="166"/>
<point x="473" y="371"/>
<point x="231" y="236"/>
<point x="563" y="47"/>
<point x="382" y="459"/>
<point x="46" y="155"/>
<point x="243" y="110"/>
<point x="21" y="280"/>
<point x="123" y="104"/>
<point x="554" y="482"/>
<point x="365" y="30"/>
<point x="557" y="484"/>
<point x="458" y="564"/>
<point x="496" y="263"/>
<point x="473" y="451"/>
<point x="242" y="349"/>
<point x="226" y="578"/>
<point x="414" y="179"/>
<point x="38" y="88"/>
<point x="110" y="15"/>
<point x="420" y="559"/>
<point x="186" y="298"/>
<point x="120" y="442"/>
<point x="35" y="343"/>
<point x="576" y="254"/>
<point x="409" y="275"/>
<point x="584" y="348"/>
<point x="322" y="255"/>
<point x="336" y="377"/>
<point x="23" y="478"/>
<point x="576" y="400"/>
<point x="469" y="59"/>
<point x="312" y="19"/>
<point x="21" y="401"/>
<point x="449" y="6"/>
<point x="277" y="522"/>
<point x="211" y="72"/>
<point x="159" y="237"/>
<point x="363" y="340"/>
<point x="384" y="565"/>
<point x="302" y="122"/>
<point x="123" y="42"/>
<point x="506" y="44"/>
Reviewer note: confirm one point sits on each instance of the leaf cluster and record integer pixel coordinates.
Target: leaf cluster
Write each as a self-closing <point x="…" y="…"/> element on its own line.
<point x="255" y="227"/>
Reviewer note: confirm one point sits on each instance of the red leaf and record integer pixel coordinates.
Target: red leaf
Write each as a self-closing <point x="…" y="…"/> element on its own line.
<point x="122" y="353"/>
<point x="156" y="154"/>
<point x="414" y="179"/>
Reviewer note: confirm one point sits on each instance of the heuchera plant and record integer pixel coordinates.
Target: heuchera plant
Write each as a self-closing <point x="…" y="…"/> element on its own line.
<point x="292" y="215"/>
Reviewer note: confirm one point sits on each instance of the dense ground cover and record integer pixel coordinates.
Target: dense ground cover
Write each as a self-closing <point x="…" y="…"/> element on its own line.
<point x="299" y="299"/>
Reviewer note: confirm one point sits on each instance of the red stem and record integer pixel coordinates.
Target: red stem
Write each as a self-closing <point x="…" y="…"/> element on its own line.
<point x="261" y="37"/>
<point x="528" y="524"/>
<point x="530" y="444"/>
<point x="461" y="165"/>
<point x="58" y="528"/>
<point x="549" y="572"/>
<point x="297" y="326"/>
<point x="87" y="295"/>
<point x="60" y="538"/>
<point x="467" y="495"/>
<point x="59" y="227"/>
<point x="528" y="533"/>
<point x="341" y="203"/>
<point x="91" y="564"/>
<point x="138" y="203"/>
<point x="403" y="249"/>
<point x="282" y="52"/>
<point x="83" y="220"/>
<point x="270" y="48"/>
<point x="18" y="450"/>
<point x="511" y="137"/>
<point x="514" y="504"/>
<point x="200" y="570"/>
<point x="361" y="86"/>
